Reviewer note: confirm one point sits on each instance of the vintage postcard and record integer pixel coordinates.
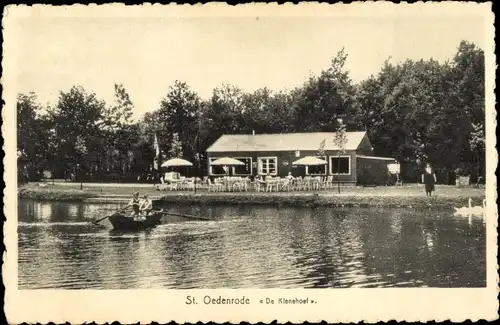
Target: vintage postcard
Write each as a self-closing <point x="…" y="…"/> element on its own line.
<point x="253" y="163"/>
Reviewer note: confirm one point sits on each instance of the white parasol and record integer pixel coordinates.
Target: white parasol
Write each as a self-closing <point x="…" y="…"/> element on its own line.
<point x="309" y="161"/>
<point x="176" y="162"/>
<point x="227" y="161"/>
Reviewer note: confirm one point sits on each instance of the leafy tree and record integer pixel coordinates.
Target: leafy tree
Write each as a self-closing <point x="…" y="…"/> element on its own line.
<point x="414" y="110"/>
<point x="32" y="134"/>
<point x="223" y="113"/>
<point x="28" y="126"/>
<point x="468" y="95"/>
<point x="178" y="114"/>
<point x="120" y="113"/>
<point x="176" y="147"/>
<point x="79" y="118"/>
<point x="325" y="97"/>
<point x="119" y="133"/>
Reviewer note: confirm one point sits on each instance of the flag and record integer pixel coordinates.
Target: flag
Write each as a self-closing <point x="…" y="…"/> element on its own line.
<point x="156" y="163"/>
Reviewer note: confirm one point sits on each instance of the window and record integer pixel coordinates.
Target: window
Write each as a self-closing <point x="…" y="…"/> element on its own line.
<point x="342" y="167"/>
<point x="317" y="170"/>
<point x="268" y="165"/>
<point x="243" y="170"/>
<point x="215" y="170"/>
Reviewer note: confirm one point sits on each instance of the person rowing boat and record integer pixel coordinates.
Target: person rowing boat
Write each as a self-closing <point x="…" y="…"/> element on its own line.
<point x="135" y="204"/>
<point x="141" y="208"/>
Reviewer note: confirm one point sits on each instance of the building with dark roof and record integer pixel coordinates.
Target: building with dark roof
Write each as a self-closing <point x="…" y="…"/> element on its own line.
<point x="273" y="154"/>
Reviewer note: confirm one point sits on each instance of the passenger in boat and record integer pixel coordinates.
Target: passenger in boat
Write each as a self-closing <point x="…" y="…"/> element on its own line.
<point x="135" y="204"/>
<point x="146" y="204"/>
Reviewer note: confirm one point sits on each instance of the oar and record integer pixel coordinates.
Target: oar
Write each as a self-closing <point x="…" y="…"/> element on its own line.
<point x="182" y="215"/>
<point x="106" y="217"/>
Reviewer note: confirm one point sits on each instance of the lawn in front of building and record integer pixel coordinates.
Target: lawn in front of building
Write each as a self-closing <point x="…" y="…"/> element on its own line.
<point x="116" y="189"/>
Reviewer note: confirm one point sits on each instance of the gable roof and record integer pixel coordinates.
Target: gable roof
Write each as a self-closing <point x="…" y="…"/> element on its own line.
<point x="283" y="142"/>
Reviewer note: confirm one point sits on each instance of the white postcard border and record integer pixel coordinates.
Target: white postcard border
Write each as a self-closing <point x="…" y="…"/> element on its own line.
<point x="332" y="305"/>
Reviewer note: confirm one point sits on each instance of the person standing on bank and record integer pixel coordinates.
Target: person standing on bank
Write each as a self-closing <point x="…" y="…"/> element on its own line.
<point x="429" y="179"/>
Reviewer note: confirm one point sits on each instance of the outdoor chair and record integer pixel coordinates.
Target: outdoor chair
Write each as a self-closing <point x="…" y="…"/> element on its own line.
<point x="316" y="182"/>
<point x="172" y="186"/>
<point x="228" y="184"/>
<point x="188" y="184"/>
<point x="324" y="182"/>
<point x="306" y="184"/>
<point x="219" y="185"/>
<point x="238" y="184"/>
<point x="286" y="184"/>
<point x="246" y="183"/>
<point x="329" y="182"/>
<point x="241" y="184"/>
<point x="272" y="184"/>
<point x="399" y="181"/>
<point x="214" y="186"/>
<point x="235" y="186"/>
<point x="205" y="183"/>
<point x="259" y="185"/>
<point x="298" y="183"/>
<point x="209" y="184"/>
<point x="162" y="186"/>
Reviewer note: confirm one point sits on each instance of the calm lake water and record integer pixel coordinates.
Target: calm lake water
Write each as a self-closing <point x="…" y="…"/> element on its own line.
<point x="250" y="247"/>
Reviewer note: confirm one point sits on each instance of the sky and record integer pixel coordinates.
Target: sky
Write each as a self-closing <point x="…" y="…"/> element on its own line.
<point x="147" y="55"/>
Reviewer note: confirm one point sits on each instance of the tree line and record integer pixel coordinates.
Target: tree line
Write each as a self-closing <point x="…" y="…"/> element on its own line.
<point x="415" y="111"/>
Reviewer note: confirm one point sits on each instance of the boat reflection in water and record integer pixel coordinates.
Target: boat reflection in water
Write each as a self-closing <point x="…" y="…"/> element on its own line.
<point x="250" y="247"/>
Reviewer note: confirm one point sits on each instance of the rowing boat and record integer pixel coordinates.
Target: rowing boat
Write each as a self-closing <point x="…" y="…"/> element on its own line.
<point x="124" y="221"/>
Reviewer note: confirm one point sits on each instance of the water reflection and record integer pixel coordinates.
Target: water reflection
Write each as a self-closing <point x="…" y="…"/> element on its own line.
<point x="245" y="246"/>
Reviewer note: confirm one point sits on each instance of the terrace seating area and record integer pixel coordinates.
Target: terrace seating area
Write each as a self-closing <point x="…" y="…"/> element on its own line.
<point x="246" y="184"/>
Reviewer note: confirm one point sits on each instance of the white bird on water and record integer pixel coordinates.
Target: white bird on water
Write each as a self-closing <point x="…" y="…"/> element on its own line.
<point x="471" y="210"/>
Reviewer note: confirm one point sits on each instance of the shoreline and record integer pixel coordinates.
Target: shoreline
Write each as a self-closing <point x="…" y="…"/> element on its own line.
<point x="318" y="200"/>
<point x="357" y="197"/>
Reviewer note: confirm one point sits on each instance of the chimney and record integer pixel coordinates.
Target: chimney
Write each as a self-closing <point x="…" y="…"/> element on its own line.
<point x="253" y="132"/>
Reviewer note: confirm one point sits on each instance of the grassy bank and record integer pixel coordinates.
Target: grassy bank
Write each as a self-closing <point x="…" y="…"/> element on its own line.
<point x="52" y="194"/>
<point x="320" y="200"/>
<point x="72" y="192"/>
<point x="406" y="196"/>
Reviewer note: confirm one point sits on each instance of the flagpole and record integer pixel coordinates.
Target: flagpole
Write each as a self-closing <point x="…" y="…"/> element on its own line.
<point x="159" y="161"/>
<point x="197" y="150"/>
<point x="157" y="157"/>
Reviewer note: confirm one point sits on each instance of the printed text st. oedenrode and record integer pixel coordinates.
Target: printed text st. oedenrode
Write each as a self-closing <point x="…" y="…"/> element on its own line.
<point x="243" y="300"/>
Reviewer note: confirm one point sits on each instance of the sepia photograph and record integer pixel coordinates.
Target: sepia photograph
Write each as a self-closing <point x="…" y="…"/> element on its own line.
<point x="168" y="147"/>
